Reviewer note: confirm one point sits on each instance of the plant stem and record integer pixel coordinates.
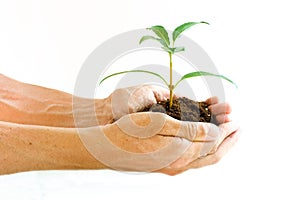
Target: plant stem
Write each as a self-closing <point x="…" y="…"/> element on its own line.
<point x="171" y="80"/>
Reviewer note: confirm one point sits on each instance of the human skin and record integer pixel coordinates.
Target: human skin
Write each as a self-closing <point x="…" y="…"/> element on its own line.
<point x="37" y="130"/>
<point x="31" y="104"/>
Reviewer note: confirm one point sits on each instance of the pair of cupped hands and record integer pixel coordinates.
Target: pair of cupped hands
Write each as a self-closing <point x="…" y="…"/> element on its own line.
<point x="148" y="141"/>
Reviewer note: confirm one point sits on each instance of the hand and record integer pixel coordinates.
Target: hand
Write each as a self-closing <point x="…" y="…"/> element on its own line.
<point x="210" y="159"/>
<point x="83" y="112"/>
<point x="221" y="115"/>
<point x="130" y="100"/>
<point x="157" y="142"/>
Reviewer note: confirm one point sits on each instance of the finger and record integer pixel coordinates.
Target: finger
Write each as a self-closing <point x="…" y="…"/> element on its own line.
<point x="226" y="129"/>
<point x="226" y="145"/>
<point x="160" y="93"/>
<point x="212" y="100"/>
<point x="148" y="124"/>
<point x="220" y="108"/>
<point x="229" y="127"/>
<point x="138" y="97"/>
<point x="164" y="125"/>
<point x="197" y="131"/>
<point x="191" y="154"/>
<point x="170" y="171"/>
<point x="205" y="138"/>
<point x="195" y="150"/>
<point x="222" y="118"/>
<point x="192" y="131"/>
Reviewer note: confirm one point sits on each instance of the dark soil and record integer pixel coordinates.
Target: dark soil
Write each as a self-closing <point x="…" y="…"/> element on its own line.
<point x="183" y="109"/>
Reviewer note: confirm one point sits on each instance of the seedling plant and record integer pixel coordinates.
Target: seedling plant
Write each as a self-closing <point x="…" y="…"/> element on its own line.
<point x="161" y="35"/>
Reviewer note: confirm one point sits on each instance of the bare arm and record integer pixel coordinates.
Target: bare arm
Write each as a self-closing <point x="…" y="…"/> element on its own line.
<point x="32" y="147"/>
<point x="30" y="104"/>
<point x="37" y="130"/>
<point x="28" y="147"/>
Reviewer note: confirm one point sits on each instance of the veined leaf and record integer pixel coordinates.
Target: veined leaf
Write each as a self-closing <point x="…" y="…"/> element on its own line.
<point x="130" y="71"/>
<point x="183" y="27"/>
<point x="161" y="32"/>
<point x="149" y="37"/>
<point x="168" y="49"/>
<point x="173" y="50"/>
<point x="202" y="73"/>
<point x="178" y="49"/>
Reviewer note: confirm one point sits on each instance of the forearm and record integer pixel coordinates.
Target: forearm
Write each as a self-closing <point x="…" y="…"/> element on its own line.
<point x="30" y="104"/>
<point x="31" y="147"/>
<point x="28" y="147"/>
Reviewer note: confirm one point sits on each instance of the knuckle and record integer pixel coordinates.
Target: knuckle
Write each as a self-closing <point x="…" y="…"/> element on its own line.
<point x="228" y="108"/>
<point x="221" y="118"/>
<point x="170" y="172"/>
<point x="175" y="172"/>
<point x="216" y="158"/>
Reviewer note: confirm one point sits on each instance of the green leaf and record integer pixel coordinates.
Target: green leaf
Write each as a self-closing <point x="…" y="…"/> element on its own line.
<point x="149" y="37"/>
<point x="178" y="49"/>
<point x="173" y="50"/>
<point x="130" y="71"/>
<point x="202" y="73"/>
<point x="161" y="32"/>
<point x="168" y="49"/>
<point x="183" y="27"/>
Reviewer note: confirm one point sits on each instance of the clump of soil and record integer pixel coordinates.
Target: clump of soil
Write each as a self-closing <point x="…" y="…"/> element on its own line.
<point x="183" y="109"/>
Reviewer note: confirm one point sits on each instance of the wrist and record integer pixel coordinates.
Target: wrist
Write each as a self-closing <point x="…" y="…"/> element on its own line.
<point x="103" y="110"/>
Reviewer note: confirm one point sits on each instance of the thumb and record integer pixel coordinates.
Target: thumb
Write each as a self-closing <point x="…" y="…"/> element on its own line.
<point x="192" y="131"/>
<point x="161" y="93"/>
<point x="225" y="130"/>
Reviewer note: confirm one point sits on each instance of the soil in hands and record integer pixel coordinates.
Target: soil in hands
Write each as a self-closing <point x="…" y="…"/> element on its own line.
<point x="183" y="109"/>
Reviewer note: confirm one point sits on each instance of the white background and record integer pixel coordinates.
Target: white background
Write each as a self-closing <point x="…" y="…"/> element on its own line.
<point x="255" y="42"/>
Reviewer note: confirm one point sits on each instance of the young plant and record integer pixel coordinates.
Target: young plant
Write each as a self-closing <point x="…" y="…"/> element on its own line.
<point x="162" y="36"/>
